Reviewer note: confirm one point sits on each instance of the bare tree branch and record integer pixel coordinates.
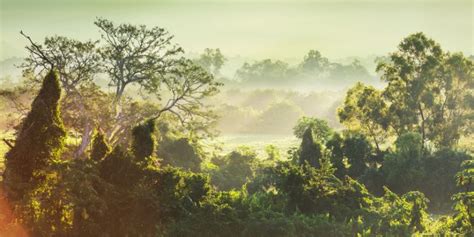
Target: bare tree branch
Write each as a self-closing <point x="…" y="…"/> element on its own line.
<point x="8" y="143"/>
<point x="38" y="51"/>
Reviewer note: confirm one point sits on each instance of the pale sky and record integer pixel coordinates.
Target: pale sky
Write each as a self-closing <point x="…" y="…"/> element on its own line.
<point x="257" y="29"/>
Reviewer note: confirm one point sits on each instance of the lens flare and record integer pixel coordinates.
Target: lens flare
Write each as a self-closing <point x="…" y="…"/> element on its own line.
<point x="9" y="227"/>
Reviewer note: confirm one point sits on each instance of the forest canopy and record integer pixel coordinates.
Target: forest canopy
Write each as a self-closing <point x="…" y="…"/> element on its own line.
<point x="135" y="160"/>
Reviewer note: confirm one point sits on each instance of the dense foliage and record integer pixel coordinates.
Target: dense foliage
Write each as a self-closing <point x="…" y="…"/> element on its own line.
<point x="394" y="163"/>
<point x="43" y="133"/>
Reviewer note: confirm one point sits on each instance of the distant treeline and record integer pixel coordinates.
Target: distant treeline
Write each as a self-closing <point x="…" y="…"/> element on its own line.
<point x="314" y="72"/>
<point x="86" y="162"/>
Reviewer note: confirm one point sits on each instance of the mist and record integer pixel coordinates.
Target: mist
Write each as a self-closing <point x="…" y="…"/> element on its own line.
<point x="280" y="29"/>
<point x="236" y="118"/>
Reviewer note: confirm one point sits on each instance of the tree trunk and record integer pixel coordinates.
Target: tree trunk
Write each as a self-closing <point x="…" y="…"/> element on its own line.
<point x="374" y="137"/>
<point x="376" y="144"/>
<point x="86" y="138"/>
<point x="422" y="126"/>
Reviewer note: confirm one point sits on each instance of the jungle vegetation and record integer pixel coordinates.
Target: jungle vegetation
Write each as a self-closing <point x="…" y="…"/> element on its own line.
<point x="133" y="161"/>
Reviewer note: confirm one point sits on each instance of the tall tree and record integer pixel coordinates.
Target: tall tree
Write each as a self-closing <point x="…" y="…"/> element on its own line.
<point x="410" y="75"/>
<point x="76" y="62"/>
<point x="128" y="54"/>
<point x="39" y="141"/>
<point x="364" y="110"/>
<point x="212" y="60"/>
<point x="310" y="152"/>
<point x="314" y="63"/>
<point x="185" y="88"/>
<point x="454" y="109"/>
<point x="147" y="57"/>
<point x="135" y="55"/>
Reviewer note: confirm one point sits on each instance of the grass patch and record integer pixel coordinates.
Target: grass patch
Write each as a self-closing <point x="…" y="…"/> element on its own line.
<point x="257" y="142"/>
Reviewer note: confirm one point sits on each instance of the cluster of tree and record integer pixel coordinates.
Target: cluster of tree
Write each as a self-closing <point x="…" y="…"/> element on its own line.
<point x="212" y="60"/>
<point x="427" y="107"/>
<point x="314" y="68"/>
<point x="428" y="91"/>
<point x="127" y="191"/>
<point x="135" y="59"/>
<point x="161" y="182"/>
<point x="405" y="167"/>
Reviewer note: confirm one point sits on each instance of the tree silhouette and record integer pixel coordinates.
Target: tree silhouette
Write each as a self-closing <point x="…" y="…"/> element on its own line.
<point x="143" y="143"/>
<point x="39" y="140"/>
<point x="310" y="151"/>
<point x="100" y="148"/>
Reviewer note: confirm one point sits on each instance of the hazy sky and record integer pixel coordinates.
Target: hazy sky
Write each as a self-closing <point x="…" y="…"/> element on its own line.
<point x="257" y="29"/>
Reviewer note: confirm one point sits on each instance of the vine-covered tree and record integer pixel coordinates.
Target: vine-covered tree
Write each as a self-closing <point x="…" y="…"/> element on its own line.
<point x="100" y="148"/>
<point x="39" y="141"/>
<point x="310" y="151"/>
<point x="143" y="143"/>
<point x="77" y="64"/>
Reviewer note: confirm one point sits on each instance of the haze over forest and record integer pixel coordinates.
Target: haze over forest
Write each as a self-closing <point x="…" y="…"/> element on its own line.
<point x="283" y="29"/>
<point x="248" y="31"/>
<point x="289" y="118"/>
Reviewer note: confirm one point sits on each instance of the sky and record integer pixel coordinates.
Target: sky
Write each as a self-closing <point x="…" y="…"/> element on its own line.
<point x="255" y="29"/>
